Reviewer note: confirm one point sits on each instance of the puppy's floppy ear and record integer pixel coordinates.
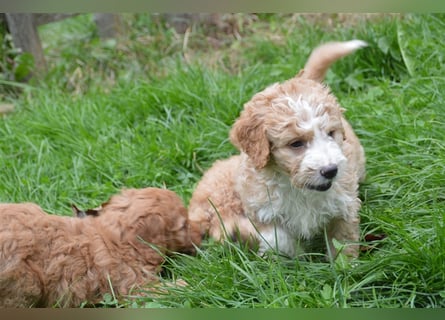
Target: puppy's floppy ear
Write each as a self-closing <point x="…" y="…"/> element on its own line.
<point x="248" y="134"/>
<point x="148" y="238"/>
<point x="151" y="229"/>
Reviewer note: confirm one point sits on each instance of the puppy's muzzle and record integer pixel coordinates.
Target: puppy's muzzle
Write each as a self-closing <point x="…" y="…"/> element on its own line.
<point x="329" y="171"/>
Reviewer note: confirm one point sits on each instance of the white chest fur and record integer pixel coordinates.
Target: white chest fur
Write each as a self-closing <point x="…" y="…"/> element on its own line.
<point x="301" y="213"/>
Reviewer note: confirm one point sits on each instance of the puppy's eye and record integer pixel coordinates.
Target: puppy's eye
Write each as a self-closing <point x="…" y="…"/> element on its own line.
<point x="296" y="144"/>
<point x="331" y="133"/>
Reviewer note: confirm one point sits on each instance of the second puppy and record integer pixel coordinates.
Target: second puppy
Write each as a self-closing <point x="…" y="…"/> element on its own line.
<point x="49" y="260"/>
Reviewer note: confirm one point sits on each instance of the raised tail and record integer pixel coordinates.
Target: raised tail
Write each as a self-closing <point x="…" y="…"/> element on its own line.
<point x="323" y="56"/>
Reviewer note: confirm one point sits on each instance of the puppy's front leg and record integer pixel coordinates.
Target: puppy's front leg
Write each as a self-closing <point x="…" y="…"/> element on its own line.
<point x="346" y="232"/>
<point x="276" y="238"/>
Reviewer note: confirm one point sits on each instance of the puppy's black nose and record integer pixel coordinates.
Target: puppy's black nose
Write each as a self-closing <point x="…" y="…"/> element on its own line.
<point x="329" y="171"/>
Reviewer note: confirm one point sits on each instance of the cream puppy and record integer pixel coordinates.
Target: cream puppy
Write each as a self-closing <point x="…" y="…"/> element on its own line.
<point x="298" y="170"/>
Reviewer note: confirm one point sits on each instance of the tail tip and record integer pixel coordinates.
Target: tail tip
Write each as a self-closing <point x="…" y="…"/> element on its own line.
<point x="356" y="44"/>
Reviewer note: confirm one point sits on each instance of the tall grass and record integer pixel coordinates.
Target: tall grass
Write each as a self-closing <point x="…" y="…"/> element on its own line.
<point x="147" y="110"/>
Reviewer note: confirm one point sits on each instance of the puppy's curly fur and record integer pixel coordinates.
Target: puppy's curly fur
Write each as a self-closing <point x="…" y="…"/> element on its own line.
<point x="298" y="171"/>
<point x="50" y="260"/>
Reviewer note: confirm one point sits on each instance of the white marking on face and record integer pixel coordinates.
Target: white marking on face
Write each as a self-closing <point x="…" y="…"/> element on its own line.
<point x="308" y="115"/>
<point x="322" y="150"/>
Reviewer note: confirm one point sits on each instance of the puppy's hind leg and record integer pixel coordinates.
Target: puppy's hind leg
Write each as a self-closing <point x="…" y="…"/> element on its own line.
<point x="20" y="287"/>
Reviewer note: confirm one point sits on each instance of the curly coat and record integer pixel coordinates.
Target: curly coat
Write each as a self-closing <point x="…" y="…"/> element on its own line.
<point x="298" y="170"/>
<point x="50" y="260"/>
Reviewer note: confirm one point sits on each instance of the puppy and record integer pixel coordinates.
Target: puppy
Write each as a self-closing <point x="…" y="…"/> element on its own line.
<point x="298" y="170"/>
<point x="48" y="260"/>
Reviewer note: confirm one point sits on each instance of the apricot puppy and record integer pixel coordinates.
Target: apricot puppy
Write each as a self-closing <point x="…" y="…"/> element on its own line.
<point x="49" y="260"/>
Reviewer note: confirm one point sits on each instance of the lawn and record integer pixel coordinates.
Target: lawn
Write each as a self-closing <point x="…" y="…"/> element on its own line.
<point x="154" y="107"/>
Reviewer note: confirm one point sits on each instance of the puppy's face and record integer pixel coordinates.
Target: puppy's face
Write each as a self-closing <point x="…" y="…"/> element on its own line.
<point x="170" y="230"/>
<point x="181" y="235"/>
<point x="296" y="130"/>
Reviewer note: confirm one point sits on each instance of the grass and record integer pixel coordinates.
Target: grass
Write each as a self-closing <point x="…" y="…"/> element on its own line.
<point x="152" y="109"/>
